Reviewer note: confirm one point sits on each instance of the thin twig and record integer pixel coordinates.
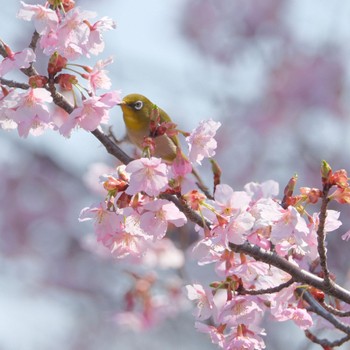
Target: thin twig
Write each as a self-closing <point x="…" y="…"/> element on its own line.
<point x="317" y="308"/>
<point x="335" y="311"/>
<point x="321" y="237"/>
<point x="326" y="342"/>
<point x="14" y="84"/>
<point x="267" y="290"/>
<point x="111" y="147"/>
<point x="59" y="99"/>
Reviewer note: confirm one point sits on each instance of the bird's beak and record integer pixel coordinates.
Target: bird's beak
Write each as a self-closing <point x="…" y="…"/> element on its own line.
<point x="121" y="103"/>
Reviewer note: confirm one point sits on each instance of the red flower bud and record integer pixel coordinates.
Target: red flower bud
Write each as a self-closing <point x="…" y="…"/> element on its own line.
<point x="56" y="63"/>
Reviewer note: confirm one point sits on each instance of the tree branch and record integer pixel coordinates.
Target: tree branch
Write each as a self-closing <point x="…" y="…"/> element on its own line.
<point x="326" y="342"/>
<point x="14" y="84"/>
<point x="317" y="308"/>
<point x="335" y="311"/>
<point x="111" y="147"/>
<point x="271" y="290"/>
<point x="298" y="274"/>
<point x="321" y="237"/>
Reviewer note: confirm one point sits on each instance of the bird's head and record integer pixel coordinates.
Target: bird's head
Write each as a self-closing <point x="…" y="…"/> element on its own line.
<point x="136" y="107"/>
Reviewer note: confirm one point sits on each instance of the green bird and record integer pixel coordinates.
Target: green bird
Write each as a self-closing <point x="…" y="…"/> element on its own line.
<point x="137" y="113"/>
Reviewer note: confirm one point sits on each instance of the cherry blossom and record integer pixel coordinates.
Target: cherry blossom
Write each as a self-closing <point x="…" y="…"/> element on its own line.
<point x="291" y="227"/>
<point x="95" y="43"/>
<point x="158" y="214"/>
<point x="241" y="310"/>
<point x="8" y="101"/>
<point x="204" y="299"/>
<point x="31" y="111"/>
<point x="215" y="333"/>
<point x="148" y="175"/>
<point x="16" y="60"/>
<point x="201" y="141"/>
<point x="244" y="337"/>
<point x="94" y="110"/>
<point x="44" y="18"/>
<point x="229" y="201"/>
<point x="73" y="36"/>
<point x="97" y="77"/>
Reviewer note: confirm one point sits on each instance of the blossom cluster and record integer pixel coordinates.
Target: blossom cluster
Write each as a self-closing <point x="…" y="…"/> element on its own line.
<point x="135" y="212"/>
<point x="139" y="209"/>
<point x="65" y="34"/>
<point x="247" y="288"/>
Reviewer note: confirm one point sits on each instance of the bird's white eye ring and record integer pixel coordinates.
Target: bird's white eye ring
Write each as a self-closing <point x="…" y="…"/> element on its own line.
<point x="138" y="105"/>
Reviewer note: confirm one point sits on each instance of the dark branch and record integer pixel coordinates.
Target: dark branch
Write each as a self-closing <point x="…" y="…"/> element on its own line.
<point x="335" y="311"/>
<point x="34" y="40"/>
<point x="58" y="99"/>
<point x="267" y="290"/>
<point x="321" y="237"/>
<point x="298" y="274"/>
<point x="317" y="308"/>
<point x="14" y="84"/>
<point x="111" y="147"/>
<point x="326" y="342"/>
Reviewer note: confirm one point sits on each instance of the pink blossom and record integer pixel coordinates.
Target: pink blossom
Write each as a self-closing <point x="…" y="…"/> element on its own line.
<point x="204" y="299"/>
<point x="266" y="212"/>
<point x="201" y="141"/>
<point x="299" y="316"/>
<point x="181" y="165"/>
<point x="148" y="175"/>
<point x="207" y="251"/>
<point x="98" y="78"/>
<point x="290" y="227"/>
<point x="265" y="189"/>
<point x="239" y="227"/>
<point x="250" y="271"/>
<point x="241" y="309"/>
<point x="245" y="337"/>
<point x="229" y="201"/>
<point x="158" y="214"/>
<point x="284" y="307"/>
<point x="94" y="110"/>
<point x="44" y="18"/>
<point x="74" y="36"/>
<point x="120" y="231"/>
<point x="95" y="43"/>
<point x="7" y="103"/>
<point x="332" y="222"/>
<point x="31" y="111"/>
<point x="70" y="37"/>
<point x="16" y="60"/>
<point x="215" y="333"/>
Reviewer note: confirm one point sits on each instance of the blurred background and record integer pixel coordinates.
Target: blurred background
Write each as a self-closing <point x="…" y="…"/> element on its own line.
<point x="274" y="72"/>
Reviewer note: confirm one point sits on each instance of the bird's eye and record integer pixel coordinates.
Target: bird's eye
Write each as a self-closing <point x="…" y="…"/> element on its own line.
<point x="138" y="105"/>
